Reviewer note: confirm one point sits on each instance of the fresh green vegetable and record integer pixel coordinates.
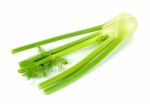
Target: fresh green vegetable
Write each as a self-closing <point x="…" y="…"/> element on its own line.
<point x="50" y="88"/>
<point x="55" y="50"/>
<point x="122" y="34"/>
<point x="35" y="69"/>
<point x="77" y="66"/>
<point x="68" y="35"/>
<point x="108" y="36"/>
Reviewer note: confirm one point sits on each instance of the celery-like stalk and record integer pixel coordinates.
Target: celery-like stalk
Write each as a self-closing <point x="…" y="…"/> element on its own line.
<point x="64" y="36"/>
<point x="121" y="24"/>
<point x="56" y="50"/>
<point x="77" y="66"/>
<point x="34" y="69"/>
<point x="108" y="36"/>
<point x="76" y="75"/>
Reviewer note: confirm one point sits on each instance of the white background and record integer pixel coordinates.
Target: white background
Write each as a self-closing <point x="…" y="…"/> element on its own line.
<point x="124" y="78"/>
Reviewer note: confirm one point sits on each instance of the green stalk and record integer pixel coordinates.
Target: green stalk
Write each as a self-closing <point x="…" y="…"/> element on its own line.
<point x="35" y="67"/>
<point x="83" y="70"/>
<point x="76" y="47"/>
<point x="124" y="26"/>
<point x="50" y="40"/>
<point x="111" y="35"/>
<point x="60" y="48"/>
<point x="55" y="50"/>
<point x="71" y="49"/>
<point x="77" y="66"/>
